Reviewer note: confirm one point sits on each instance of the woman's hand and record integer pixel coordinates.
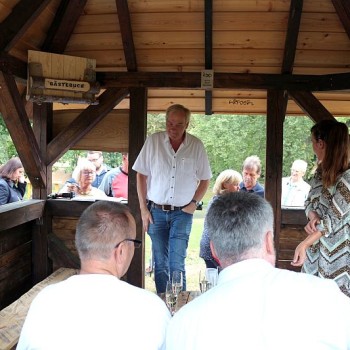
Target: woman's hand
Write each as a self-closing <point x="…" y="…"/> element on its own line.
<point x="299" y="254"/>
<point x="314" y="220"/>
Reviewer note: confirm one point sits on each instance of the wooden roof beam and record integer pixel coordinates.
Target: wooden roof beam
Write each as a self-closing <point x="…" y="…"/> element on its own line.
<point x="126" y="33"/>
<point x="251" y="81"/>
<point x="14" y="66"/>
<point x="18" y="21"/>
<point x="342" y="7"/>
<point x="310" y="105"/>
<point x="208" y="51"/>
<point x="21" y="132"/>
<point x="290" y="46"/>
<point x="83" y="123"/>
<point x="63" y="25"/>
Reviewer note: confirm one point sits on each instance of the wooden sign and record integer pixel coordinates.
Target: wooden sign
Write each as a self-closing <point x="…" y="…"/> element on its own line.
<point x="61" y="78"/>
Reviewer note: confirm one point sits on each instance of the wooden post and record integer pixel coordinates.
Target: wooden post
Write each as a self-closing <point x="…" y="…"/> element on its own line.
<point x="137" y="135"/>
<point x="276" y="109"/>
<point x="42" y="127"/>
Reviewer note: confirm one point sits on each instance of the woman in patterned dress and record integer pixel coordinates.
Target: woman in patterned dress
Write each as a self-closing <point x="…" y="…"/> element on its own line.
<point x="326" y="250"/>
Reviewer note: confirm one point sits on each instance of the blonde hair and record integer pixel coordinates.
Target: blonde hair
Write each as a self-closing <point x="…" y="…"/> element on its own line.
<point x="227" y="176"/>
<point x="83" y="164"/>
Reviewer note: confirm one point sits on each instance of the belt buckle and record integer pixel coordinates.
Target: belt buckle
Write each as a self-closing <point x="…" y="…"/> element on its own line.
<point x="164" y="207"/>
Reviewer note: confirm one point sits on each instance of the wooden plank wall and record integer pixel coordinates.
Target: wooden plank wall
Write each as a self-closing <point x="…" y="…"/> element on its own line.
<point x="15" y="262"/>
<point x="291" y="234"/>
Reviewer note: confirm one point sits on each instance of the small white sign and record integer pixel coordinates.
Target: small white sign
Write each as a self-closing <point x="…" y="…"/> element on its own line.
<point x="207" y="79"/>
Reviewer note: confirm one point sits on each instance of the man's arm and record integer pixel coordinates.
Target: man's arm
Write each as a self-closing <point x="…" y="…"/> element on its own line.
<point x="198" y="195"/>
<point x="106" y="183"/>
<point x="142" y="194"/>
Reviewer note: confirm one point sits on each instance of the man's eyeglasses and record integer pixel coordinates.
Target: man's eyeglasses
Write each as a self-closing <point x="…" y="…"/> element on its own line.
<point x="137" y="242"/>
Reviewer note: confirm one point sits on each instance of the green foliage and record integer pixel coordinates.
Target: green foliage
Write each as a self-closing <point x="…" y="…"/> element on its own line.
<point x="7" y="149"/>
<point x="230" y="139"/>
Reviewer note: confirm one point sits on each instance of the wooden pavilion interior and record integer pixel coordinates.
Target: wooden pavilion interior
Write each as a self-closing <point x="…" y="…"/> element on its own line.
<point x="268" y="57"/>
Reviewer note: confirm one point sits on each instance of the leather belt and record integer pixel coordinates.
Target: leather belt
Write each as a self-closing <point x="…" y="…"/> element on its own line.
<point x="165" y="207"/>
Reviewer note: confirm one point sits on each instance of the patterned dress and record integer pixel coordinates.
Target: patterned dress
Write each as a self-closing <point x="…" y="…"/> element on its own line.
<point x="329" y="257"/>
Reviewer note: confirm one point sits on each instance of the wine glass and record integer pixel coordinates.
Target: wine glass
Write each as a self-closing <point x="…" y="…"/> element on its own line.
<point x="170" y="297"/>
<point x="204" y="284"/>
<point x="177" y="282"/>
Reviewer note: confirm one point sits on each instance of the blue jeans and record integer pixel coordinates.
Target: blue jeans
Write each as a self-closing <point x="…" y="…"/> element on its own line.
<point x="169" y="233"/>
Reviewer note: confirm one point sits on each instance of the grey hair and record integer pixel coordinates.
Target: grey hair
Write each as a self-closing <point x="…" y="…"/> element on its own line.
<point x="178" y="108"/>
<point x="237" y="223"/>
<point x="100" y="228"/>
<point x="251" y="162"/>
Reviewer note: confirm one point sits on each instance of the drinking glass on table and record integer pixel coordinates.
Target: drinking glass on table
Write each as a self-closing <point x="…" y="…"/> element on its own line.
<point x="170" y="297"/>
<point x="177" y="282"/>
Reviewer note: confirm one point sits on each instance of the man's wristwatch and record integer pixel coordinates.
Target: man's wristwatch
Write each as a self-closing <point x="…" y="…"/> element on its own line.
<point x="195" y="202"/>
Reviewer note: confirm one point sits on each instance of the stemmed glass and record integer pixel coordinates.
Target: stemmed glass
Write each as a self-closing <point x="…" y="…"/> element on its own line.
<point x="177" y="282"/>
<point x="170" y="297"/>
<point x="204" y="284"/>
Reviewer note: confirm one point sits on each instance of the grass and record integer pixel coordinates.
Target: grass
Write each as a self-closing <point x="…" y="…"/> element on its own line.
<point x="194" y="264"/>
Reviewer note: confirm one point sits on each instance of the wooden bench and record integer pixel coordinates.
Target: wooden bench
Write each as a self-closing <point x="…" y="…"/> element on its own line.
<point x="12" y="317"/>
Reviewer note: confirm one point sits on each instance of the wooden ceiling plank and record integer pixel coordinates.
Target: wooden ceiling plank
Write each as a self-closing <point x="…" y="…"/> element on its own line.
<point x="342" y="7"/>
<point x="296" y="9"/>
<point x="18" y="21"/>
<point x="22" y="134"/>
<point x="310" y="105"/>
<point x="127" y="36"/>
<point x="84" y="123"/>
<point x="63" y="25"/>
<point x="191" y="80"/>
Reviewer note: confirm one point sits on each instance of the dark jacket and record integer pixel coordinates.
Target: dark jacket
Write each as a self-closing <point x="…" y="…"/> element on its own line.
<point x="9" y="192"/>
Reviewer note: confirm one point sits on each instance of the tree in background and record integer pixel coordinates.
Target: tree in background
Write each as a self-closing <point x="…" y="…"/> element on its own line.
<point x="7" y="148"/>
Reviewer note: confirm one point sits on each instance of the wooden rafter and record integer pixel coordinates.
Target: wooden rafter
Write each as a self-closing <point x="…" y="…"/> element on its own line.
<point x="208" y="51"/>
<point x="63" y="25"/>
<point x="342" y="7"/>
<point x="83" y="123"/>
<point x="296" y="9"/>
<point x="340" y="81"/>
<point x="15" y="25"/>
<point x="22" y="134"/>
<point x="126" y="33"/>
<point x="14" y="66"/>
<point x="310" y="105"/>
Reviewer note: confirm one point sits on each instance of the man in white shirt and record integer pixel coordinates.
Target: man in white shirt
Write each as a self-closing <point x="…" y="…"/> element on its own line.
<point x="95" y="309"/>
<point x="294" y="188"/>
<point x="173" y="175"/>
<point x="256" y="306"/>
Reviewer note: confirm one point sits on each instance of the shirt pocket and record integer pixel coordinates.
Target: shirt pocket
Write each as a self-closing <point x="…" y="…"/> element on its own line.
<point x="187" y="166"/>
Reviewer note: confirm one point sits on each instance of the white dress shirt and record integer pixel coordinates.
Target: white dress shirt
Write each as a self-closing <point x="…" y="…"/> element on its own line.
<point x="172" y="178"/>
<point x="294" y="194"/>
<point x="91" y="312"/>
<point x="256" y="306"/>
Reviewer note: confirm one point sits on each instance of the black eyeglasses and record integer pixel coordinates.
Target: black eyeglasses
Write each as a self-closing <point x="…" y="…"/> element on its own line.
<point x="137" y="242"/>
